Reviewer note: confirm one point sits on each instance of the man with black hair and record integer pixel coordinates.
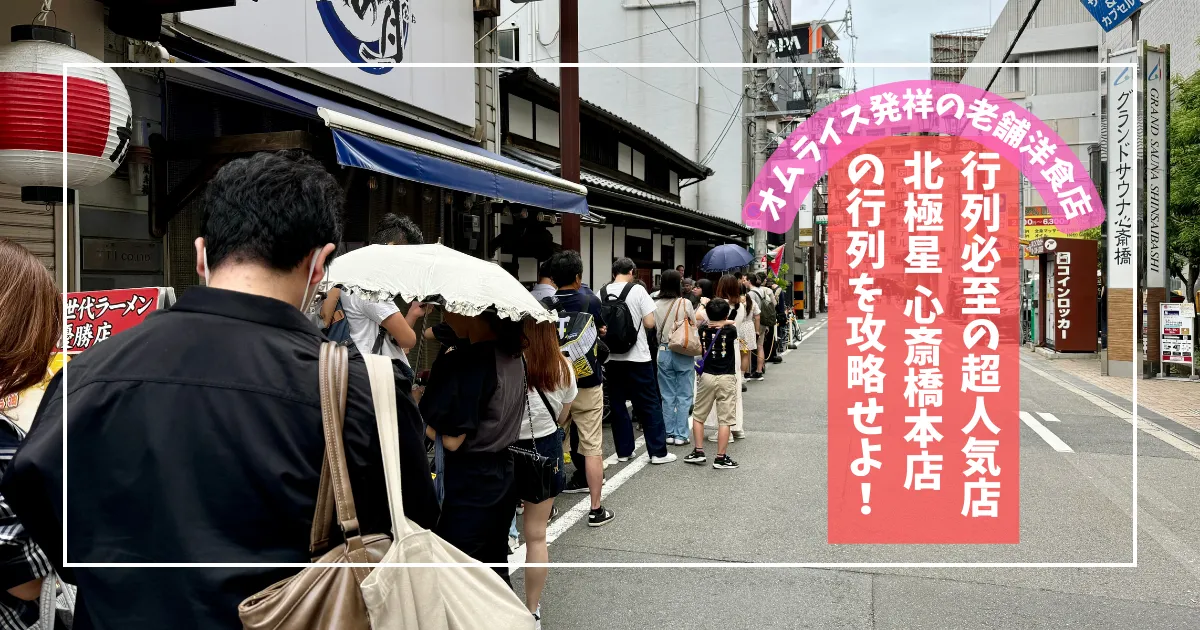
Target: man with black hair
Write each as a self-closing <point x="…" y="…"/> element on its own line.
<point x="196" y="436"/>
<point x="380" y="327"/>
<point x="545" y="286"/>
<point x="587" y="412"/>
<point x="630" y="375"/>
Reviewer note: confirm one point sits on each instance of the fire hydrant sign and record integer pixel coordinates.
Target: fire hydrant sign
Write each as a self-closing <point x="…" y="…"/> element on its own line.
<point x="923" y="351"/>
<point x="93" y="317"/>
<point x="1177" y="334"/>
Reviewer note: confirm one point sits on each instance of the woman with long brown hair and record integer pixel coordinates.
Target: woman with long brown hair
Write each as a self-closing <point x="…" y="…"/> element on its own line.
<point x="30" y="325"/>
<point x="552" y="389"/>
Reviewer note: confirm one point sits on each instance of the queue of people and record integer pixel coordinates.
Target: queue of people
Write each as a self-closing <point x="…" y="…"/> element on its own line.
<point x="204" y="431"/>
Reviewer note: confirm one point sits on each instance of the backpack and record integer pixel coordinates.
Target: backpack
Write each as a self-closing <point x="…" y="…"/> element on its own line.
<point x="622" y="332"/>
<point x="578" y="339"/>
<point x="339" y="328"/>
<point x="765" y="304"/>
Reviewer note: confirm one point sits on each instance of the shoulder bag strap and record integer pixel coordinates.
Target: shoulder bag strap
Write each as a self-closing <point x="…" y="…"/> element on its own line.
<point x="333" y="374"/>
<point x="673" y="321"/>
<point x="383" y="393"/>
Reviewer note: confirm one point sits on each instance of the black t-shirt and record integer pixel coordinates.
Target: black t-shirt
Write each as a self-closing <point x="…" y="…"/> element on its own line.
<point x="723" y="357"/>
<point x="580" y="301"/>
<point x="476" y="391"/>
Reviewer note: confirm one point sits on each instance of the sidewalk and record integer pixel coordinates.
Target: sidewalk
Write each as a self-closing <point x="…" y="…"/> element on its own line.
<point x="1177" y="400"/>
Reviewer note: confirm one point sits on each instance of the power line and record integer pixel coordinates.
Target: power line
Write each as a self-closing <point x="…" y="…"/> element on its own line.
<point x="661" y="30"/>
<point x="712" y="150"/>
<point x="502" y="21"/>
<point x="685" y="49"/>
<point x="729" y="21"/>
<point x="639" y="80"/>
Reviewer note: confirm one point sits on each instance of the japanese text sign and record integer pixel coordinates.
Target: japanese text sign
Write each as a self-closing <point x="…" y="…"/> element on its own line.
<point x="1176" y="322"/>
<point x="94" y="316"/>
<point x="956" y="110"/>
<point x="1157" y="95"/>
<point x="923" y="359"/>
<point x="1111" y="13"/>
<point x="1122" y="172"/>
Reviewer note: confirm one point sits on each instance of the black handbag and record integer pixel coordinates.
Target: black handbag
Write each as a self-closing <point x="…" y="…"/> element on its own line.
<point x="535" y="475"/>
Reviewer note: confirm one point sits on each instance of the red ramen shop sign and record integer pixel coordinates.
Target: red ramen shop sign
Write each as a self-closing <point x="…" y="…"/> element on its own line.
<point x="94" y="316"/>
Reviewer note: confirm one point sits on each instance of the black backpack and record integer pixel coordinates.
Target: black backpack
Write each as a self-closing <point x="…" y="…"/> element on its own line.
<point x="622" y="332"/>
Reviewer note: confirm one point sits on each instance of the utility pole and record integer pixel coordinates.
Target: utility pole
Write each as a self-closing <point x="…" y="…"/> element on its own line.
<point x="568" y="111"/>
<point x="759" y="142"/>
<point x="747" y="104"/>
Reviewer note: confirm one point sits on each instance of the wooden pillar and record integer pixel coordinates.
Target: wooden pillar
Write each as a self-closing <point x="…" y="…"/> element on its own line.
<point x="568" y="111"/>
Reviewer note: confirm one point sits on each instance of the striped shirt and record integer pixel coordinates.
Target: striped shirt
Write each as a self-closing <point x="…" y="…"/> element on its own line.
<point x="21" y="560"/>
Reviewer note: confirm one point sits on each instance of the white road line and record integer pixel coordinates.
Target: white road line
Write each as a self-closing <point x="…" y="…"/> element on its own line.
<point x="578" y="511"/>
<point x="1144" y="425"/>
<point x="1046" y="434"/>
<point x="1048" y="417"/>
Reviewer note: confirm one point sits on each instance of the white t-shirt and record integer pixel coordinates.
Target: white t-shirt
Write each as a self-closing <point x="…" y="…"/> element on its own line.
<point x="640" y="305"/>
<point x="365" y="318"/>
<point x="543" y="422"/>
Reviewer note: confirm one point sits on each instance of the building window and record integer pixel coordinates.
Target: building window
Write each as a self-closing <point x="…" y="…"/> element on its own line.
<point x="546" y="125"/>
<point x="509" y="42"/>
<point x="674" y="182"/>
<point x="631" y="161"/>
<point x="639" y="166"/>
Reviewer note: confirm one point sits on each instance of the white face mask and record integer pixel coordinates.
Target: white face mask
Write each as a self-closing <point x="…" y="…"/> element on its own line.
<point x="307" y="283"/>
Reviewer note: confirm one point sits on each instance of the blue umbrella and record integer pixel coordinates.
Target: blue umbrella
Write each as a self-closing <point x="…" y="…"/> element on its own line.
<point x="725" y="258"/>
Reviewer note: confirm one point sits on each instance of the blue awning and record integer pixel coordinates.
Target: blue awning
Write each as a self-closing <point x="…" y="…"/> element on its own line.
<point x="369" y="141"/>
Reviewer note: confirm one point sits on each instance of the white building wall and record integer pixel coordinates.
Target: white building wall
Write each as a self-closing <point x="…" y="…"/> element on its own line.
<point x="1174" y="22"/>
<point x="662" y="101"/>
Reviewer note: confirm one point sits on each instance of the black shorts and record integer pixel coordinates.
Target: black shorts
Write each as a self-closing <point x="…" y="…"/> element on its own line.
<point x="549" y="446"/>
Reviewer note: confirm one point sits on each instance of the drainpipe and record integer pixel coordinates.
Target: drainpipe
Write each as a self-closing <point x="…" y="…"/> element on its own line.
<point x="483" y="54"/>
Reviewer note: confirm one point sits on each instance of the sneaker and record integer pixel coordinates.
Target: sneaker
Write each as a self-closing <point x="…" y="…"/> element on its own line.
<point x="624" y="458"/>
<point x="775" y="360"/>
<point x="757" y="376"/>
<point x="746" y="376"/>
<point x="695" y="457"/>
<point x="576" y="486"/>
<point x="553" y="514"/>
<point x="724" y="461"/>
<point x="513" y="543"/>
<point x="739" y="435"/>
<point x="665" y="459"/>
<point x="520" y="508"/>
<point x="682" y="441"/>
<point x="713" y="438"/>
<point x="671" y="441"/>
<point x="744" y="388"/>
<point x="600" y="517"/>
<point x="537" y="618"/>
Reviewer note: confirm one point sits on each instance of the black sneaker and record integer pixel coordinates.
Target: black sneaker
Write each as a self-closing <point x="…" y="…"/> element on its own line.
<point x="724" y="461"/>
<point x="756" y="376"/>
<point x="600" y="517"/>
<point x="696" y="457"/>
<point x="576" y="486"/>
<point x="744" y="388"/>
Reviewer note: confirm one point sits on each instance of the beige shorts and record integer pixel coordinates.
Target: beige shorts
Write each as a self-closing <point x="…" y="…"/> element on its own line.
<point x="719" y="391"/>
<point x="587" y="413"/>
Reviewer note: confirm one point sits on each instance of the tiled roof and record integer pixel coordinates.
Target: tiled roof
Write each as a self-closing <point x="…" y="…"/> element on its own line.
<point x="527" y="74"/>
<point x="598" y="181"/>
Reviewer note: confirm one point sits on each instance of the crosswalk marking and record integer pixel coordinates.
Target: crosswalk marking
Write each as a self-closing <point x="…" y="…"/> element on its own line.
<point x="1047" y="416"/>
<point x="1039" y="428"/>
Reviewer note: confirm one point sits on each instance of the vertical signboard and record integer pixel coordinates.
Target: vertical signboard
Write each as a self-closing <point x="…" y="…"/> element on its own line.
<point x="1157" y="166"/>
<point x="1122" y="169"/>
<point x="924" y="333"/>
<point x="804" y="222"/>
<point x="1176" y="332"/>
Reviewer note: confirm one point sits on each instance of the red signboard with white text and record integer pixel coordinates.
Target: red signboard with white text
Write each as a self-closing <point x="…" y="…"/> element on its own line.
<point x="923" y="353"/>
<point x="94" y="316"/>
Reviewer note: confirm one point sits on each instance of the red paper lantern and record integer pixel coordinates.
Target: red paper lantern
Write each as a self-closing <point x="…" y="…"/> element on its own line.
<point x="99" y="115"/>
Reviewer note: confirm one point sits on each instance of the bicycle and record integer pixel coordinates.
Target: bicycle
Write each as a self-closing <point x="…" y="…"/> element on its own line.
<point x="794" y="331"/>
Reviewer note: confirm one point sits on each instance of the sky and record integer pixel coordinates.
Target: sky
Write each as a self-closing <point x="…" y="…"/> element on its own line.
<point x="896" y="30"/>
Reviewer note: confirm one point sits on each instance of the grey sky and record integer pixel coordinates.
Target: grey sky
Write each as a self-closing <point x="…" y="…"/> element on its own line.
<point x="896" y="30"/>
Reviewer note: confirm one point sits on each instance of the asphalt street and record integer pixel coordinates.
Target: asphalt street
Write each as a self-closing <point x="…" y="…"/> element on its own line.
<point x="1076" y="507"/>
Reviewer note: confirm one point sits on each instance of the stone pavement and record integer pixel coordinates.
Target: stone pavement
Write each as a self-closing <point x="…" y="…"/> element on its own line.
<point x="1177" y="400"/>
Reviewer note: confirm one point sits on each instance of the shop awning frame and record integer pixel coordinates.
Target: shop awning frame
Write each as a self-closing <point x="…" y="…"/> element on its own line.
<point x="367" y="140"/>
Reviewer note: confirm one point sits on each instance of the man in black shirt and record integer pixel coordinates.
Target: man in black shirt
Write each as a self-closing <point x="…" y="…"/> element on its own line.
<point x="587" y="412"/>
<point x="196" y="437"/>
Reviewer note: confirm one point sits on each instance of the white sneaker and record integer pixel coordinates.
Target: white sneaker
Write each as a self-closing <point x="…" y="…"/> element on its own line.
<point x="671" y="441"/>
<point x="537" y="618"/>
<point x="665" y="459"/>
<point x="625" y="458"/>
<point x="513" y="544"/>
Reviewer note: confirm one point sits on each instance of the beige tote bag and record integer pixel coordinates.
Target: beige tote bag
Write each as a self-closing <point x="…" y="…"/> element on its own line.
<point x="427" y="598"/>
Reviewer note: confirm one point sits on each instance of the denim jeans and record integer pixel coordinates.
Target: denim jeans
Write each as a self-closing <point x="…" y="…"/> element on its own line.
<point x="635" y="382"/>
<point x="677" y="384"/>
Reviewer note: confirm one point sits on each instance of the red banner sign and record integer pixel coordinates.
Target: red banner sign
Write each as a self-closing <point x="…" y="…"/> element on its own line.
<point x="923" y="354"/>
<point x="94" y="316"/>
